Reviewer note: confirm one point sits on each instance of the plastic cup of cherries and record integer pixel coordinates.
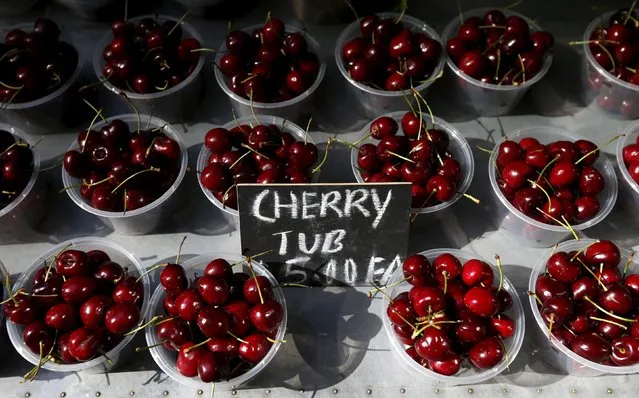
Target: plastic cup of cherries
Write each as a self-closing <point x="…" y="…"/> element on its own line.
<point x="383" y="56"/>
<point x="126" y="170"/>
<point x="610" y="80"/>
<point x="628" y="170"/>
<point x="417" y="148"/>
<point x="22" y="193"/>
<point x="497" y="56"/>
<point x="77" y="307"/>
<point x="270" y="69"/>
<point x="218" y="321"/>
<point x="156" y="61"/>
<point x="38" y="67"/>
<point x="452" y="317"/>
<point x="253" y="149"/>
<point x="583" y="297"/>
<point x="548" y="183"/>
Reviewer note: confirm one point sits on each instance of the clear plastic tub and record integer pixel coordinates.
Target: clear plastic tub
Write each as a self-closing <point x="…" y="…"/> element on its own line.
<point x="489" y="99"/>
<point x="145" y="219"/>
<point x="296" y="109"/>
<point x="372" y="101"/>
<point x="122" y="351"/>
<point x="458" y="146"/>
<point x="5" y="292"/>
<point x="85" y="8"/>
<point x="468" y="374"/>
<point x="628" y="188"/>
<point x="173" y="104"/>
<point x="610" y="95"/>
<point x="45" y="114"/>
<point x="524" y="229"/>
<point x="28" y="209"/>
<point x="166" y="359"/>
<point x="232" y="216"/>
<point x="552" y="350"/>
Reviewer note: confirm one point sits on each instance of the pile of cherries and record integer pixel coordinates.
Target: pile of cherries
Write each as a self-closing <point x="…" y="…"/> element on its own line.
<point x="613" y="46"/>
<point x="79" y="307"/>
<point x="149" y="57"/>
<point x="221" y="324"/>
<point x="631" y="159"/>
<point x="36" y="63"/>
<point x="418" y="156"/>
<point x="496" y="49"/>
<point x="390" y="56"/>
<point x="555" y="183"/>
<point x="589" y="303"/>
<point x="123" y="170"/>
<point x="263" y="153"/>
<point x="16" y="167"/>
<point x="269" y="64"/>
<point x="453" y="311"/>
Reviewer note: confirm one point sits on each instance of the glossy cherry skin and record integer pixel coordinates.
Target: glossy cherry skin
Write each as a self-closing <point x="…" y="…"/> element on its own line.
<point x="448" y="264"/>
<point x="561" y="268"/>
<point x="254" y="348"/>
<point x="476" y="272"/>
<point x="547" y="287"/>
<point x="400" y="310"/>
<point x="503" y="325"/>
<point x="255" y="284"/>
<point x="187" y="359"/>
<point x="72" y="262"/>
<point x="585" y="286"/>
<point x="434" y="344"/>
<point x="83" y="344"/>
<point x="213" y="322"/>
<point x="128" y="291"/>
<point x="449" y="366"/>
<point x="470" y="330"/>
<point x="516" y="174"/>
<point x="591" y="346"/>
<point x="93" y="311"/>
<point x="616" y="299"/>
<point x="428" y="300"/>
<point x="38" y="338"/>
<point x="509" y="151"/>
<point x="625" y="351"/>
<point x="481" y="301"/>
<point x="78" y="289"/>
<point x="188" y="304"/>
<point x="268" y="316"/>
<point x="214" y="291"/>
<point x="22" y="311"/>
<point x="487" y="353"/>
<point x="208" y="368"/>
<point x="121" y="318"/>
<point x="557" y="309"/>
<point x="173" y="279"/>
<point x="174" y="331"/>
<point x="603" y="252"/>
<point x="61" y="316"/>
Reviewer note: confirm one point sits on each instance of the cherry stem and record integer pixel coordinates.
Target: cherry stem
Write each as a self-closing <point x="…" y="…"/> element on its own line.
<point x="126" y="9"/>
<point x="513" y="5"/>
<point x="177" y="258"/>
<point x="552" y="322"/>
<point x="445" y="275"/>
<point x="84" y="184"/>
<point x="501" y="272"/>
<point x="10" y="53"/>
<point x="625" y="268"/>
<point x="132" y="176"/>
<point x="430" y="111"/>
<point x="275" y="341"/>
<point x="432" y="79"/>
<point x="565" y="225"/>
<point x="554" y="249"/>
<point x="349" y="144"/>
<point x="13" y="97"/>
<point x="164" y="320"/>
<point x="253" y="257"/>
<point x="259" y="290"/>
<point x="523" y="69"/>
<point x="203" y="49"/>
<point x="533" y="294"/>
<point x="148" y="271"/>
<point x="11" y="87"/>
<point x="491" y="26"/>
<point x="212" y="390"/>
<point x="321" y="164"/>
<point x="101" y="81"/>
<point x="137" y="113"/>
<point x="503" y="79"/>
<point x="252" y="107"/>
<point x="459" y="9"/>
<point x="598" y="279"/>
<point x="359" y="141"/>
<point x="471" y="198"/>
<point x="291" y="285"/>
<point x="12" y="297"/>
<point x="632" y="6"/>
<point x="403" y="6"/>
<point x="253" y="150"/>
<point x="235" y="337"/>
<point x="599" y="148"/>
<point x="97" y="115"/>
<point x="534" y="184"/>
<point x="162" y="88"/>
<point x="430" y="195"/>
<point x="140" y="349"/>
<point x="98" y="112"/>
<point x="410" y="105"/>
<point x="144" y="325"/>
<point x="583" y="249"/>
<point x="400" y="156"/>
<point x="499" y="63"/>
<point x="308" y="126"/>
<point x="200" y="344"/>
<point x="594" y="318"/>
<point x="226" y="194"/>
<point x="179" y="22"/>
<point x="421" y="115"/>
<point x="573" y="43"/>
<point x="7" y="284"/>
<point x="377" y="289"/>
<point x="610" y="314"/>
<point x="54" y="259"/>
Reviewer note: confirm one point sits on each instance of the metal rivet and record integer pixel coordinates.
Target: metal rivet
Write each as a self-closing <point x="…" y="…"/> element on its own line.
<point x="131" y="393"/>
<point x="165" y="392"/>
<point x="437" y="391"/>
<point x="369" y="391"/>
<point x="402" y="390"/>
<point x="63" y="394"/>
<point x="268" y="391"/>
<point x="470" y="391"/>
<point x="609" y="391"/>
<point x="505" y="390"/>
<point x="27" y="394"/>
<point x="98" y="393"/>
<point x="574" y="391"/>
<point x="233" y="392"/>
<point x="335" y="391"/>
<point x="301" y="391"/>
<point x="539" y="390"/>
<point x="200" y="392"/>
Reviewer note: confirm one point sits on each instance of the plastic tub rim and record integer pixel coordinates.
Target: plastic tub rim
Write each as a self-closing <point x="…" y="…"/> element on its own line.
<point x="628" y="134"/>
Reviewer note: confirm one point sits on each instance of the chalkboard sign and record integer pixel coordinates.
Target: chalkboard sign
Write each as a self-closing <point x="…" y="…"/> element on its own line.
<point x="326" y="234"/>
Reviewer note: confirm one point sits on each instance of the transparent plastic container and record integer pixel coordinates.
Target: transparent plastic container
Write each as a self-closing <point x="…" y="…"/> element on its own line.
<point x="28" y="209"/>
<point x="628" y="188"/>
<point x="612" y="96"/>
<point x="145" y="219"/>
<point x="372" y="101"/>
<point x="490" y="99"/>
<point x="232" y="216"/>
<point x="122" y="351"/>
<point x="458" y="146"/>
<point x="85" y="8"/>
<point x="5" y="292"/>
<point x="173" y="104"/>
<point x="166" y="359"/>
<point x="296" y="109"/>
<point x="12" y="8"/>
<point x="523" y="229"/>
<point x="45" y="114"/>
<point x="551" y="349"/>
<point x="468" y="374"/>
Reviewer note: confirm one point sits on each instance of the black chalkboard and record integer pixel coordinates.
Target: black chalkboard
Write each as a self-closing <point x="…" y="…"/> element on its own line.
<point x="326" y="234"/>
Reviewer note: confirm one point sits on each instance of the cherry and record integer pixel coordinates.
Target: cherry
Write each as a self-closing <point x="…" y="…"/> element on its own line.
<point x="188" y="304"/>
<point x="625" y="351"/>
<point x="83" y="344"/>
<point x="428" y="300"/>
<point x="128" y="291"/>
<point x="487" y="353"/>
<point x="214" y="291"/>
<point x="213" y="322"/>
<point x="78" y="289"/>
<point x="174" y="331"/>
<point x="72" y="262"/>
<point x="240" y="316"/>
<point x="254" y="348"/>
<point x="449" y="264"/>
<point x="208" y="368"/>
<point x="584" y="287"/>
<point x="591" y="346"/>
<point x="604" y="253"/>
<point x="557" y="309"/>
<point x="400" y="311"/>
<point x="63" y="349"/>
<point x="503" y="325"/>
<point x="516" y="174"/>
<point x="121" y="318"/>
<point x="188" y="357"/>
<point x="476" y="272"/>
<point x="448" y="366"/>
<point x="224" y="347"/>
<point x="481" y="301"/>
<point x="472" y="63"/>
<point x="173" y="279"/>
<point x="21" y="311"/>
<point x="434" y="344"/>
<point x="610" y="329"/>
<point x="93" y="311"/>
<point x="38" y="338"/>
<point x="268" y="316"/>
<point x="470" y="330"/>
<point x="616" y="299"/>
<point x="547" y="287"/>
<point x="255" y="284"/>
<point x="587" y="207"/>
<point x="561" y="268"/>
<point x="61" y="316"/>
